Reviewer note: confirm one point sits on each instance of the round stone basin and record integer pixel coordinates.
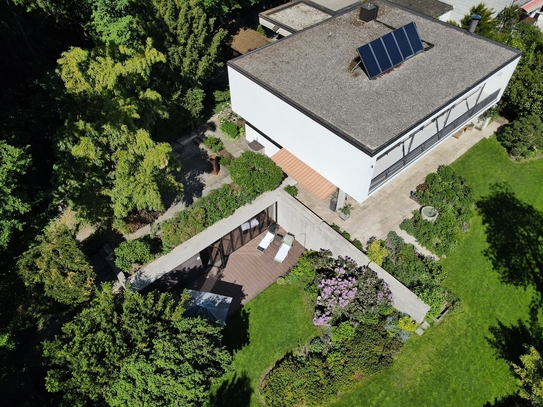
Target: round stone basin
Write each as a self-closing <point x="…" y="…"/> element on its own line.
<point x="429" y="213"/>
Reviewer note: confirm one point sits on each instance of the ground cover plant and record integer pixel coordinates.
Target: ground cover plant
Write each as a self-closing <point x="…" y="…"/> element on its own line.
<point x="447" y="192"/>
<point x="466" y="359"/>
<point x="358" y="336"/>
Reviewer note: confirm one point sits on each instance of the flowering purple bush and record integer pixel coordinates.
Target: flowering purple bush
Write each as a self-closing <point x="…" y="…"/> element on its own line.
<point x="348" y="292"/>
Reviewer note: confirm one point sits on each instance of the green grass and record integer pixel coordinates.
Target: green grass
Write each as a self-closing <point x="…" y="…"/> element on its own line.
<point x="453" y="364"/>
<point x="269" y="326"/>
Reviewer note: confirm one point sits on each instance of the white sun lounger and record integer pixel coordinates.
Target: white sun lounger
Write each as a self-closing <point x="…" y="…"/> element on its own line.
<point x="267" y="239"/>
<point x="285" y="248"/>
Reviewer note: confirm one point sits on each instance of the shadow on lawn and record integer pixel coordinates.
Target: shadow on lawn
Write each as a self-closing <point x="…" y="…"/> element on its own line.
<point x="236" y="331"/>
<point x="235" y="392"/>
<point x="513" y="400"/>
<point x="514" y="232"/>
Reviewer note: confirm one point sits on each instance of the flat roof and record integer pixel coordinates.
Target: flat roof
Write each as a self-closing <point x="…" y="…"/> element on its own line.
<point x="297" y="15"/>
<point x="311" y="71"/>
<point x="432" y="8"/>
<point x="246" y="40"/>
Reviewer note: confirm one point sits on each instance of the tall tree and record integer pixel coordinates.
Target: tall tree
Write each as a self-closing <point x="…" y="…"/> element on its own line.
<point x="109" y="165"/>
<point x="130" y="349"/>
<point x="486" y="25"/>
<point x="13" y="163"/>
<point x="59" y="265"/>
<point x="530" y="376"/>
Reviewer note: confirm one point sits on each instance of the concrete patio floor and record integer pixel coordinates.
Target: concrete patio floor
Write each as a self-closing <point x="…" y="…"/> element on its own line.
<point x="390" y="205"/>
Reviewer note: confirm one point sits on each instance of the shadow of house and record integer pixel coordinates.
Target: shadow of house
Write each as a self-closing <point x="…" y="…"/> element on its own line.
<point x="514" y="232"/>
<point x="183" y="276"/>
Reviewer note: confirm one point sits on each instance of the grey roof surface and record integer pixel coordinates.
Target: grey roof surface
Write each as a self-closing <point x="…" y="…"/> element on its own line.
<point x="298" y="15"/>
<point x="310" y="70"/>
<point x="432" y="8"/>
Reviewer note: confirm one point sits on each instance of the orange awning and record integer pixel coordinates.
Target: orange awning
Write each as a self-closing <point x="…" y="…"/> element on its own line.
<point x="303" y="174"/>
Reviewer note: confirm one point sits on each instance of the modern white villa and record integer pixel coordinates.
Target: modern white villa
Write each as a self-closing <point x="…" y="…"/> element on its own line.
<point x="357" y="115"/>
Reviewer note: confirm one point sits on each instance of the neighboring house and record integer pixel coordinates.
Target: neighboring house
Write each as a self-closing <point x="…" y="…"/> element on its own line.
<point x="533" y="10"/>
<point x="462" y="7"/>
<point x="307" y="97"/>
<point x="300" y="14"/>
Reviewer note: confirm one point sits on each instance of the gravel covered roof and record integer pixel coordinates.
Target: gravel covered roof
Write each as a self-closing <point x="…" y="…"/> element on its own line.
<point x="311" y="71"/>
<point x="298" y="15"/>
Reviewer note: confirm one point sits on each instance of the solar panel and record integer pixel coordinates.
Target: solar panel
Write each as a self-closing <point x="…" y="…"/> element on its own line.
<point x="390" y="50"/>
<point x="381" y="55"/>
<point x="403" y="43"/>
<point x="369" y="61"/>
<point x="414" y="37"/>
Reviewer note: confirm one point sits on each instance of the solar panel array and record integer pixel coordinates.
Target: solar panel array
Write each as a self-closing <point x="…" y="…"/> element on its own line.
<point x="390" y="50"/>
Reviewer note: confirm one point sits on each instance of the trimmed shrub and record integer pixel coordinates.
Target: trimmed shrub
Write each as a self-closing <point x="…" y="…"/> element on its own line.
<point x="522" y="138"/>
<point x="255" y="173"/>
<point x="132" y="252"/>
<point x="225" y="160"/>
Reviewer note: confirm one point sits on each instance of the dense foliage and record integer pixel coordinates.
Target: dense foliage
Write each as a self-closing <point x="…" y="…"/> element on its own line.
<point x="57" y="264"/>
<point x="137" y="251"/>
<point x="13" y="203"/>
<point x="255" y="173"/>
<point x="132" y="349"/>
<point x="486" y="25"/>
<point x="352" y="307"/>
<point x="448" y="193"/>
<point x="522" y="138"/>
<point x="530" y="376"/>
<point x="313" y="375"/>
<point x="422" y="275"/>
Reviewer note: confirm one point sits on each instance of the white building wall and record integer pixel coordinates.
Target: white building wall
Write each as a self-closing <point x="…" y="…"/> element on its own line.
<point x="252" y="135"/>
<point x="497" y="81"/>
<point x="338" y="161"/>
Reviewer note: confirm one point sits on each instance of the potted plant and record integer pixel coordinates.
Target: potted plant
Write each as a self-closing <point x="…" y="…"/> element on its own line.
<point x="345" y="211"/>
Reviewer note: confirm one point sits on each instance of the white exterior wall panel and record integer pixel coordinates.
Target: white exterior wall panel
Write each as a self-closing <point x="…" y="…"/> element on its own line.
<point x="338" y="161"/>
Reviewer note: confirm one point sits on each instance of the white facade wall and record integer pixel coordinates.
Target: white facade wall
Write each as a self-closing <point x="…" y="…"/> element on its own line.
<point x="497" y="81"/>
<point x="252" y="135"/>
<point x="338" y="161"/>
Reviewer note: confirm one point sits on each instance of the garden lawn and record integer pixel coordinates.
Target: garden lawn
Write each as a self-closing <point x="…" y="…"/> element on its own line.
<point x="453" y="364"/>
<point x="270" y="325"/>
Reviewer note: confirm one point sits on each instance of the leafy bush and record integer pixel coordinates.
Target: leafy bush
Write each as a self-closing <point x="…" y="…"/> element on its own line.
<point x="255" y="173"/>
<point x="522" y="138"/>
<point x="422" y="275"/>
<point x="213" y="143"/>
<point x="314" y="375"/>
<point x="132" y="252"/>
<point x="377" y="251"/>
<point x="448" y="193"/>
<point x="183" y="226"/>
<point x="230" y="130"/>
<point x="225" y="160"/>
<point x="291" y="190"/>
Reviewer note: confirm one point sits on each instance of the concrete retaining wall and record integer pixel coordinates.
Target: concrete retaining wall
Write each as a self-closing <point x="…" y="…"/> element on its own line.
<point x="310" y="230"/>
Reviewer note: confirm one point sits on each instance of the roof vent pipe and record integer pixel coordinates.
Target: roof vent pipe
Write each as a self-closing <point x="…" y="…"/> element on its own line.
<point x="368" y="12"/>
<point x="474" y="21"/>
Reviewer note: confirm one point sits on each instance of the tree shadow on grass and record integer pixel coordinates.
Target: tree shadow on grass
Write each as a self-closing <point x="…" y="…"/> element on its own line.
<point x="513" y="400"/>
<point x="514" y="232"/>
<point x="236" y="331"/>
<point x="235" y="392"/>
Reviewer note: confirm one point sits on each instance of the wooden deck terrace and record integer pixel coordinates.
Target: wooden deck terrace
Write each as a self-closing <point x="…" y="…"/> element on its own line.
<point x="248" y="272"/>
